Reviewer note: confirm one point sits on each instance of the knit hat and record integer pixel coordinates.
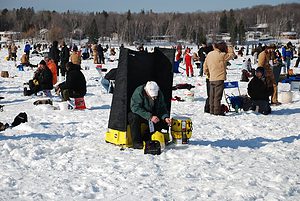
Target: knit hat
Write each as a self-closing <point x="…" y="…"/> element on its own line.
<point x="43" y="62"/>
<point x="261" y="70"/>
<point x="152" y="88"/>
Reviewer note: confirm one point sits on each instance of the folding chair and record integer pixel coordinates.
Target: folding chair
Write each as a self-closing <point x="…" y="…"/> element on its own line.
<point x="233" y="100"/>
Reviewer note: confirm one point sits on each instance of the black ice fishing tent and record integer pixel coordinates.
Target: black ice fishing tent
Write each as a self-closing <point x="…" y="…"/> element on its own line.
<point x="134" y="69"/>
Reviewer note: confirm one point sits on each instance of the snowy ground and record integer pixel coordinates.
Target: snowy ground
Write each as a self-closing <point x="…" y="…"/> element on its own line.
<point x="62" y="155"/>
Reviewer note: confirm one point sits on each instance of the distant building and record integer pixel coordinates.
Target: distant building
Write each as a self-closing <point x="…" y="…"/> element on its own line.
<point x="224" y="37"/>
<point x="9" y="36"/>
<point x="44" y="34"/>
<point x="288" y="35"/>
<point x="253" y="35"/>
<point x="259" y="34"/>
<point x="260" y="28"/>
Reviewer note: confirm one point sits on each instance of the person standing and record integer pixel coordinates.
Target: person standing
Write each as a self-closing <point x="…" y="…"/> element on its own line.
<point x="54" y="54"/>
<point x="100" y="54"/>
<point x="202" y="55"/>
<point x="287" y="55"/>
<point x="14" y="50"/>
<point x="298" y="60"/>
<point x="64" y="58"/>
<point x="27" y="49"/>
<point x="215" y="67"/>
<point x="188" y="62"/>
<point x="264" y="61"/>
<point x="95" y="53"/>
<point x="178" y="59"/>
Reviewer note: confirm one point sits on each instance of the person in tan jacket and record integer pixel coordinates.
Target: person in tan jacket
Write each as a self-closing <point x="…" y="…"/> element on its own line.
<point x="25" y="61"/>
<point x="95" y="53"/>
<point x="215" y="68"/>
<point x="14" y="50"/>
<point x="264" y="61"/>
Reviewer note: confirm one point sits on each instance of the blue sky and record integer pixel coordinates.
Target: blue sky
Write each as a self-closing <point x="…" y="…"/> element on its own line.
<point x="137" y="5"/>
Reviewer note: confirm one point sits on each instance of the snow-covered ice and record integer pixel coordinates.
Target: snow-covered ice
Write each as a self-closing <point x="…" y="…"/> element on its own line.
<point x="62" y="155"/>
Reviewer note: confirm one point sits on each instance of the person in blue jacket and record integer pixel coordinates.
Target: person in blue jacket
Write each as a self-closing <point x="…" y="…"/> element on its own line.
<point x="287" y="54"/>
<point x="27" y="49"/>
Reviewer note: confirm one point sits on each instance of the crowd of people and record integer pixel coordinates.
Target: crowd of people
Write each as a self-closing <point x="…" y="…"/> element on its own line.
<point x="147" y="104"/>
<point x="60" y="60"/>
<point x="213" y="60"/>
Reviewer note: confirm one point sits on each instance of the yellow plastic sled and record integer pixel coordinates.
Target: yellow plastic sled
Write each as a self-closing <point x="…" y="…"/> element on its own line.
<point x="122" y="138"/>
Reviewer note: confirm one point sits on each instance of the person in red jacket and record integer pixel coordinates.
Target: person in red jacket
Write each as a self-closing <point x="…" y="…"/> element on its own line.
<point x="188" y="62"/>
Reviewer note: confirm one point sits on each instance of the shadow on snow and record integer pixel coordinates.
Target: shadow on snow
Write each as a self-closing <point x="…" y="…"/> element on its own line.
<point x="250" y="143"/>
<point x="41" y="136"/>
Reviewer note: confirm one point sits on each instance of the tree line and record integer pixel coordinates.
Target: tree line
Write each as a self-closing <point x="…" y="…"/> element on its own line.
<point x="140" y="26"/>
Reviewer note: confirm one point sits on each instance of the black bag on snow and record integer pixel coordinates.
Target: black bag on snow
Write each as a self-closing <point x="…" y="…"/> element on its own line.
<point x="20" y="118"/>
<point x="152" y="147"/>
<point x="183" y="86"/>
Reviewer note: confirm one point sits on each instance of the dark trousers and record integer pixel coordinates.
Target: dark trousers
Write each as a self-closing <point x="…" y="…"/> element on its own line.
<point x="263" y="106"/>
<point x="135" y="122"/>
<point x="215" y="96"/>
<point x="206" y="107"/>
<point x="297" y="62"/>
<point x="201" y="68"/>
<point x="27" y="53"/>
<point x="63" y="68"/>
<point x="57" y="67"/>
<point x="101" y="58"/>
<point x="68" y="93"/>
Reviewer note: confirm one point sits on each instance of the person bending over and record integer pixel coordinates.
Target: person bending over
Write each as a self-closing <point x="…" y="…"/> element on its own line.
<point x="147" y="106"/>
<point x="75" y="84"/>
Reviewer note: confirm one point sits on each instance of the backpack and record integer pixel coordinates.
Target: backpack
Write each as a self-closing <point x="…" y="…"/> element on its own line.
<point x="20" y="118"/>
<point x="247" y="103"/>
<point x="152" y="147"/>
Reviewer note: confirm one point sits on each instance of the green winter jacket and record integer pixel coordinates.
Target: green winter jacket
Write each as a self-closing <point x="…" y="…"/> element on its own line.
<point x="144" y="106"/>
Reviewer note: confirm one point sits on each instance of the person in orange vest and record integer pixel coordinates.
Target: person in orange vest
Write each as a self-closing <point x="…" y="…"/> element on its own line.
<point x="52" y="66"/>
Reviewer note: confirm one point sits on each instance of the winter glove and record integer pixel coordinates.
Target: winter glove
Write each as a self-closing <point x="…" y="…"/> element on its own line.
<point x="35" y="82"/>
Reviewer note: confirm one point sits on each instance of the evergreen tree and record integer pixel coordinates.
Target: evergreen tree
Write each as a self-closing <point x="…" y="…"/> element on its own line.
<point x="92" y="32"/>
<point x="128" y="17"/>
<point x="241" y="31"/>
<point x="105" y="15"/>
<point x="289" y="25"/>
<point x="232" y="26"/>
<point x="223" y="23"/>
